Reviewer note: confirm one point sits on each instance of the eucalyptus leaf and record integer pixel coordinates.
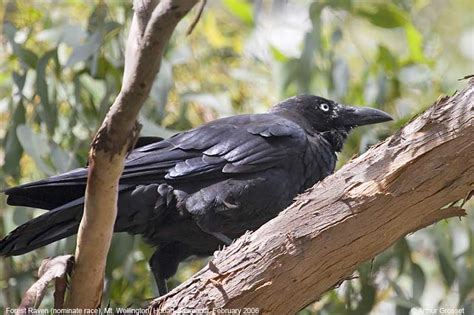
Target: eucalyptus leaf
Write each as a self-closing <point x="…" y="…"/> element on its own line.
<point x="149" y="128"/>
<point x="12" y="146"/>
<point x="241" y="9"/>
<point x="383" y="14"/>
<point x="415" y="44"/>
<point x="447" y="268"/>
<point x="19" y="80"/>
<point x="220" y="102"/>
<point x="27" y="56"/>
<point x="121" y="246"/>
<point x="47" y="111"/>
<point x="340" y="77"/>
<point x="63" y="161"/>
<point x="36" y="146"/>
<point x="163" y="83"/>
<point x="84" y="52"/>
<point x="418" y="281"/>
<point x="368" y="294"/>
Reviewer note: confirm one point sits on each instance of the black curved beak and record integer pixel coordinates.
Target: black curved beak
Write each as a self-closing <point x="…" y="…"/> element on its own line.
<point x="353" y="116"/>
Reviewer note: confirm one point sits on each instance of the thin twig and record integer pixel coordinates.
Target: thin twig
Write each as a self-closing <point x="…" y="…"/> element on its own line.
<point x="197" y="18"/>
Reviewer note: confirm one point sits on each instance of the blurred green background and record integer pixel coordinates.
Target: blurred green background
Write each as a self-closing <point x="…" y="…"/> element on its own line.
<point x="61" y="65"/>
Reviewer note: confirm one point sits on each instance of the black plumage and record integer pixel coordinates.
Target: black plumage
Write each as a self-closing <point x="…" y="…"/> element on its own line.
<point x="199" y="189"/>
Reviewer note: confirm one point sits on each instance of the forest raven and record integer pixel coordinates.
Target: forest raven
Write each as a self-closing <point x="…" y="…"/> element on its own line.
<point x="191" y="193"/>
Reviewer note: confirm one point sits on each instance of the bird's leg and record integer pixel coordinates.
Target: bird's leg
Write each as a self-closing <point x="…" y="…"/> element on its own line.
<point x="164" y="263"/>
<point x="160" y="280"/>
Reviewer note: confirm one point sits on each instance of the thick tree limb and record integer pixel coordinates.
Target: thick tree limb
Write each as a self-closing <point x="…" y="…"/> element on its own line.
<point x="152" y="26"/>
<point x="395" y="188"/>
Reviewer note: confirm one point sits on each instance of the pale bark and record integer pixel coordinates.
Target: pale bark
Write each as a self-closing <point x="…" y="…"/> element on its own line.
<point x="396" y="187"/>
<point x="51" y="269"/>
<point x="152" y="26"/>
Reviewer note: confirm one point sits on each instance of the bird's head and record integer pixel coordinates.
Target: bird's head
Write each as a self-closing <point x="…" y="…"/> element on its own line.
<point x="330" y="118"/>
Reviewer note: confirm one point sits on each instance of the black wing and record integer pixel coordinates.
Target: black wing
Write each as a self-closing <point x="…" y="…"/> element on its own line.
<point x="234" y="145"/>
<point x="219" y="149"/>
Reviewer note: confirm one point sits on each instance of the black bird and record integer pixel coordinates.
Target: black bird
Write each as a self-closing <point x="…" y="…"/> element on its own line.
<point x="191" y="193"/>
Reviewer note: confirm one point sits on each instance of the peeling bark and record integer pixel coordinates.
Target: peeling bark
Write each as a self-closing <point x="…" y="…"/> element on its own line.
<point x="396" y="187"/>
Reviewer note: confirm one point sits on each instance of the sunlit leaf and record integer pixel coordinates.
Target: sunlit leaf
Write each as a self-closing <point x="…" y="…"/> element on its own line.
<point x="240" y="8"/>
<point x="25" y="55"/>
<point x="36" y="146"/>
<point x="278" y="55"/>
<point x="415" y="44"/>
<point x="383" y="14"/>
<point x="84" y="52"/>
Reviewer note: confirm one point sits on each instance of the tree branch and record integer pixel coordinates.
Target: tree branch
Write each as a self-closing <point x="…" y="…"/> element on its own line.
<point x="51" y="269"/>
<point x="396" y="187"/>
<point x="152" y="26"/>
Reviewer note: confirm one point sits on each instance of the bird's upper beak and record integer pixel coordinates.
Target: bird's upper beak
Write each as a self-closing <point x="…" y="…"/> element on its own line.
<point x="353" y="116"/>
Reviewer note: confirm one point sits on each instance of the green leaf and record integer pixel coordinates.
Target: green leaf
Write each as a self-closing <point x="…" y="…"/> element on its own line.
<point x="120" y="247"/>
<point x="340" y="77"/>
<point x="36" y="146"/>
<point x="415" y="44"/>
<point x="97" y="18"/>
<point x="278" y="55"/>
<point x="383" y="14"/>
<point x="19" y="80"/>
<point x="241" y="9"/>
<point x="387" y="59"/>
<point x="25" y="55"/>
<point x="151" y="129"/>
<point x="111" y="29"/>
<point x="402" y="252"/>
<point x="402" y="310"/>
<point x="448" y="270"/>
<point x="368" y="293"/>
<point x="13" y="148"/>
<point x="466" y="280"/>
<point x="418" y="281"/>
<point x="63" y="161"/>
<point x="47" y="111"/>
<point x="84" y="52"/>
<point x="336" y="4"/>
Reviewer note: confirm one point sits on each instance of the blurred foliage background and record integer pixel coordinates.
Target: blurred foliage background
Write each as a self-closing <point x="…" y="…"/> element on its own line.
<point x="61" y="66"/>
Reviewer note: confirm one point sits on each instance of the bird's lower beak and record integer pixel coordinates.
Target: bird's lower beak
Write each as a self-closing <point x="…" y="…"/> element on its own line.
<point x="358" y="116"/>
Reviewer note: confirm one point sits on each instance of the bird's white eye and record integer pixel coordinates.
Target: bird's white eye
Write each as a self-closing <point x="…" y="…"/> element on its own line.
<point x="324" y="107"/>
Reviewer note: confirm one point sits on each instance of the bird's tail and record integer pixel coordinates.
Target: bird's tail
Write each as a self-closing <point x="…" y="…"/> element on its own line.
<point x="49" y="227"/>
<point x="139" y="209"/>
